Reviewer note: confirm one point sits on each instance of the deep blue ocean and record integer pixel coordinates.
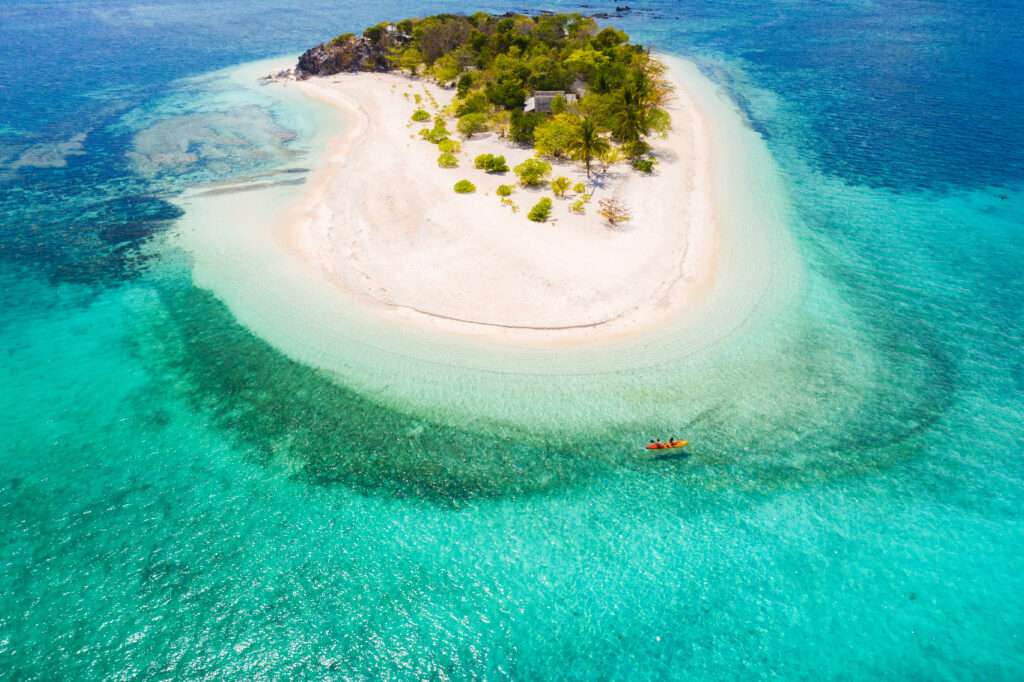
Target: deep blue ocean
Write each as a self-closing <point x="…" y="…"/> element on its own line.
<point x="180" y="501"/>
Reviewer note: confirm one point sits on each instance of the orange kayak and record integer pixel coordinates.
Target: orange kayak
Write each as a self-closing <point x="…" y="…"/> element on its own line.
<point x="668" y="446"/>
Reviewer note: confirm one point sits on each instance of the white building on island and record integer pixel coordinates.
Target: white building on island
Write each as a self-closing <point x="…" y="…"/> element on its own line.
<point x="542" y="99"/>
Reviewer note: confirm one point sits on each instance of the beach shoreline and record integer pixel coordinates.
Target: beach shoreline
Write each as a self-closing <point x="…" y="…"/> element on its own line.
<point x="380" y="221"/>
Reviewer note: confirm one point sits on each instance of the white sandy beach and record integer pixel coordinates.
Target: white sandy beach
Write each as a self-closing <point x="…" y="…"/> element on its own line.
<point x="331" y="272"/>
<point x="382" y="222"/>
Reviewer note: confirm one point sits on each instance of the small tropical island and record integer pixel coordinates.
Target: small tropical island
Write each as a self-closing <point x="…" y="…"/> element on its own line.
<point x="507" y="175"/>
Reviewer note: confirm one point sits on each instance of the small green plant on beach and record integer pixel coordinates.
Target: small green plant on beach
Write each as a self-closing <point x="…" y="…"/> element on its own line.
<point x="449" y="146"/>
<point x="505" y="201"/>
<point x="504" y="190"/>
<point x="541" y="211"/>
<point x="447" y="160"/>
<point x="420" y="115"/>
<point x="491" y="163"/>
<point x="579" y="188"/>
<point x="533" y="172"/>
<point x="578" y="206"/>
<point x="645" y="164"/>
<point x="436" y="134"/>
<point x="465" y="187"/>
<point x="560" y="186"/>
<point x="418" y="97"/>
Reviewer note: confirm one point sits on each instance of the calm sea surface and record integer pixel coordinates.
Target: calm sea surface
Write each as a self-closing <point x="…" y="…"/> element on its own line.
<point x="179" y="500"/>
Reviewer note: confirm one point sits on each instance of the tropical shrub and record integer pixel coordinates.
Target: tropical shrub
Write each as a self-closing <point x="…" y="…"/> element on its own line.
<point x="532" y="172"/>
<point x="436" y="134"/>
<point x="465" y="187"/>
<point x="506" y="92"/>
<point x="578" y="206"/>
<point x="474" y="103"/>
<point x="446" y="68"/>
<point x="471" y="124"/>
<point x="560" y="186"/>
<point x="645" y="164"/>
<point x="579" y="188"/>
<point x="449" y="146"/>
<point x="541" y="211"/>
<point x="447" y="160"/>
<point x="504" y="190"/>
<point x="420" y="115"/>
<point x="522" y="125"/>
<point x="464" y="84"/>
<point x="499" y="122"/>
<point x="491" y="163"/>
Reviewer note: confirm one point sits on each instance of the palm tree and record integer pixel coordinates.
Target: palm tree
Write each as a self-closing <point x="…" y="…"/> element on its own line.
<point x="639" y="109"/>
<point x="587" y="142"/>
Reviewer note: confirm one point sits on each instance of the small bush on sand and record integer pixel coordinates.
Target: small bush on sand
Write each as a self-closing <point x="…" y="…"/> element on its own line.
<point x="505" y="201"/>
<point x="449" y="146"/>
<point x="579" y="188"/>
<point x="498" y="165"/>
<point x="438" y="133"/>
<point x="504" y="190"/>
<point x="420" y="115"/>
<point x="578" y="206"/>
<point x="533" y="172"/>
<point x="447" y="160"/>
<point x="645" y="164"/>
<point x="491" y="163"/>
<point x="541" y="211"/>
<point x="560" y="186"/>
<point x="465" y="187"/>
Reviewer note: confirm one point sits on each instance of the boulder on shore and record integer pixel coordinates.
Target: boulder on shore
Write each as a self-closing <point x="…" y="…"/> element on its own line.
<point x="346" y="53"/>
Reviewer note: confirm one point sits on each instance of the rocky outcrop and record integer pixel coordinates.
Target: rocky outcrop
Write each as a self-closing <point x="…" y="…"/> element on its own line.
<point x="344" y="53"/>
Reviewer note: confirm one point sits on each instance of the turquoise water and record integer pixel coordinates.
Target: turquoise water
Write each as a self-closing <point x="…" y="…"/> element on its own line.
<point x="180" y="500"/>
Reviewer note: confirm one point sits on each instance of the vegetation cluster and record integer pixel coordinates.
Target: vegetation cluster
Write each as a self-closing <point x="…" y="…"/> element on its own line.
<point x="616" y="90"/>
